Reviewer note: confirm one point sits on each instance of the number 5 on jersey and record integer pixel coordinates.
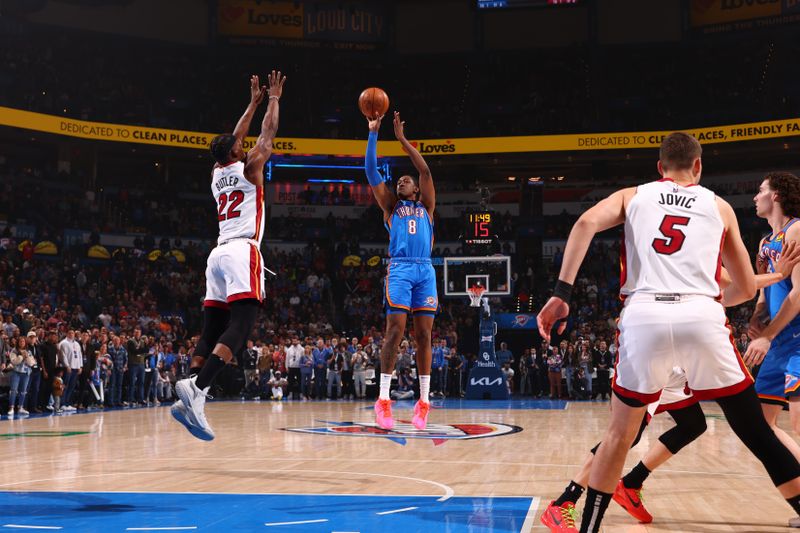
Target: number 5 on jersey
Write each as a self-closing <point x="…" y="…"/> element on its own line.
<point x="675" y="237"/>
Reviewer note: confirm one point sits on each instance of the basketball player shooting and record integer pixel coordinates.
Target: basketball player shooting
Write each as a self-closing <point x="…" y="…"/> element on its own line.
<point x="410" y="284"/>
<point x="234" y="276"/>
<point x="672" y="317"/>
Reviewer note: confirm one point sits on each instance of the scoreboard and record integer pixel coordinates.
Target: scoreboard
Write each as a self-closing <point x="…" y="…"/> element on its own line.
<point x="478" y="228"/>
<point x="505" y="4"/>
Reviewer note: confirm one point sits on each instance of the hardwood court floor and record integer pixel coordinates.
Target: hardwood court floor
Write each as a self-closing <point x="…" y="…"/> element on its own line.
<point x="713" y="485"/>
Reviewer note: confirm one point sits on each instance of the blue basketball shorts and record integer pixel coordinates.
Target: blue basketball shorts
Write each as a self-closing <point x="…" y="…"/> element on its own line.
<point x="779" y="375"/>
<point x="410" y="287"/>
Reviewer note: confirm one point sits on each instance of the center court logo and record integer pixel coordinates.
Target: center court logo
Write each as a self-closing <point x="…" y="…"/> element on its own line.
<point x="438" y="433"/>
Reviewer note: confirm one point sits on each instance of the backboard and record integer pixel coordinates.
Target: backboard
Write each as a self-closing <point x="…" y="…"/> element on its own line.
<point x="491" y="272"/>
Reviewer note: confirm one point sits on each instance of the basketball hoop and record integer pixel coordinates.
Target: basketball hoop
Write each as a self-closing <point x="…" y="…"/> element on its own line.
<point x="475" y="295"/>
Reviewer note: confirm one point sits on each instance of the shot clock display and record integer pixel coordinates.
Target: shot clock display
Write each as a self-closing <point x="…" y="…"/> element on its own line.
<point x="478" y="228"/>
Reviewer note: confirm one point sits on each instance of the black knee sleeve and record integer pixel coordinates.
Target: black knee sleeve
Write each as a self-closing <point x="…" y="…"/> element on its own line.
<point x="642" y="426"/>
<point x="243" y="318"/>
<point x="691" y="423"/>
<point x="215" y="320"/>
<point x="746" y="419"/>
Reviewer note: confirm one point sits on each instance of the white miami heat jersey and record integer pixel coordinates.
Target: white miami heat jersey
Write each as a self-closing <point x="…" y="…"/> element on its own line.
<point x="240" y="204"/>
<point x="673" y="241"/>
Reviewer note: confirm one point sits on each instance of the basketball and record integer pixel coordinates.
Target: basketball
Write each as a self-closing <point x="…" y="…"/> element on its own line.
<point x="373" y="102"/>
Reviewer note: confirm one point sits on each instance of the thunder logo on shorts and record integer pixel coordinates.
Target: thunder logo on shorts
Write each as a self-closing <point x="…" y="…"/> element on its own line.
<point x="410" y="284"/>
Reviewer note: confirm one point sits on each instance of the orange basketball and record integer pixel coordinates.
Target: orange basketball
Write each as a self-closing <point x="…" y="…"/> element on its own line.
<point x="373" y="102"/>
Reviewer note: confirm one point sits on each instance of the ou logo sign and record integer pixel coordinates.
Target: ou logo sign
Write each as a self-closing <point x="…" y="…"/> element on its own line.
<point x="486" y="382"/>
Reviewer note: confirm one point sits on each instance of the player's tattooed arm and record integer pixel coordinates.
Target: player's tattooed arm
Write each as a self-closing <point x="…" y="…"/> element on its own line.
<point x="257" y="93"/>
<point x="262" y="150"/>
<point x="426" y="188"/>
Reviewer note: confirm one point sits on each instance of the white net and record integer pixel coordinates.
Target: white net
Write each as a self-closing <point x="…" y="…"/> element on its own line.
<point x="475" y="293"/>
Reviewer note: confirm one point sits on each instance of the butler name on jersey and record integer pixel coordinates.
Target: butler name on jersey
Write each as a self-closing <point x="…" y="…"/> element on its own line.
<point x="240" y="204"/>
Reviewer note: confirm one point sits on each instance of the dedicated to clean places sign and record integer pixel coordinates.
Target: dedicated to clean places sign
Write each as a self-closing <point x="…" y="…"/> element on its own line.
<point x="773" y="129"/>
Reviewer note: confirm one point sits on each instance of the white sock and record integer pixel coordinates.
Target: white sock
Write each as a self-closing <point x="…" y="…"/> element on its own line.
<point x="424" y="388"/>
<point x="386" y="384"/>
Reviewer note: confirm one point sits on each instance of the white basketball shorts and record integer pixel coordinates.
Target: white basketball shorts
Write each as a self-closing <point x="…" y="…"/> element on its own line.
<point x="675" y="395"/>
<point x="659" y="332"/>
<point x="234" y="272"/>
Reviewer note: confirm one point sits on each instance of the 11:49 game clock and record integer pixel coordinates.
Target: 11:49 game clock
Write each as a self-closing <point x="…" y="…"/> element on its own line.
<point x="478" y="228"/>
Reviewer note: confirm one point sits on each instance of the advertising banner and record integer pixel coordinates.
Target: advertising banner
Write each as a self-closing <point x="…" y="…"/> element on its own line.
<point x="254" y="21"/>
<point x="720" y="16"/>
<point x="430" y="147"/>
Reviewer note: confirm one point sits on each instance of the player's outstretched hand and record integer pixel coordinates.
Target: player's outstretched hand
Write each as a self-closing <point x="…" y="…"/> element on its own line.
<point x="554" y="310"/>
<point x="756" y="351"/>
<point x="276" y="81"/>
<point x="790" y="256"/>
<point x="375" y="123"/>
<point x="398" y="127"/>
<point x="257" y="91"/>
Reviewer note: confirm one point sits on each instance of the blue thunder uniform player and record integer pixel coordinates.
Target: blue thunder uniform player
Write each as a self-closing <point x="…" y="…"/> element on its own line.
<point x="410" y="284"/>
<point x="778" y="342"/>
<point x="779" y="375"/>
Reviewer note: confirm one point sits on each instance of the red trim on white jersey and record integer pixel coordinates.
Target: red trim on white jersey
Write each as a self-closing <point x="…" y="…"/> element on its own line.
<point x="623" y="265"/>
<point x="673" y="181"/>
<point x="259" y="212"/>
<point x="713" y="394"/>
<point x="255" y="279"/>
<point x="215" y="303"/>
<point x="718" y="275"/>
<point x="622" y="391"/>
<point x="674" y="406"/>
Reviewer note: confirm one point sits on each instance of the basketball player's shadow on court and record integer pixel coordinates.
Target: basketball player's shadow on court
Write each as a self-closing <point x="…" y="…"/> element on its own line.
<point x="85" y="504"/>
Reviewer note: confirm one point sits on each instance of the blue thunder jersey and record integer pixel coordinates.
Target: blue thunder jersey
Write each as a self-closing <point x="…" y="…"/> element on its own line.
<point x="779" y="375"/>
<point x="410" y="230"/>
<point x="775" y="294"/>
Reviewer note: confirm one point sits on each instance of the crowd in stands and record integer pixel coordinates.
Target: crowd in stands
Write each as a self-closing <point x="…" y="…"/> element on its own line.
<point x="316" y="295"/>
<point x="79" y="334"/>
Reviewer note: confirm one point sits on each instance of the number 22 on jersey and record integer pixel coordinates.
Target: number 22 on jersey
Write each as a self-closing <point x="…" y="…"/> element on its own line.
<point x="234" y="198"/>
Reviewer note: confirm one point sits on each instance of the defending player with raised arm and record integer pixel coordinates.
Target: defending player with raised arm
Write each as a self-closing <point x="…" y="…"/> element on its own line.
<point x="234" y="276"/>
<point x="677" y="236"/>
<point x="410" y="283"/>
